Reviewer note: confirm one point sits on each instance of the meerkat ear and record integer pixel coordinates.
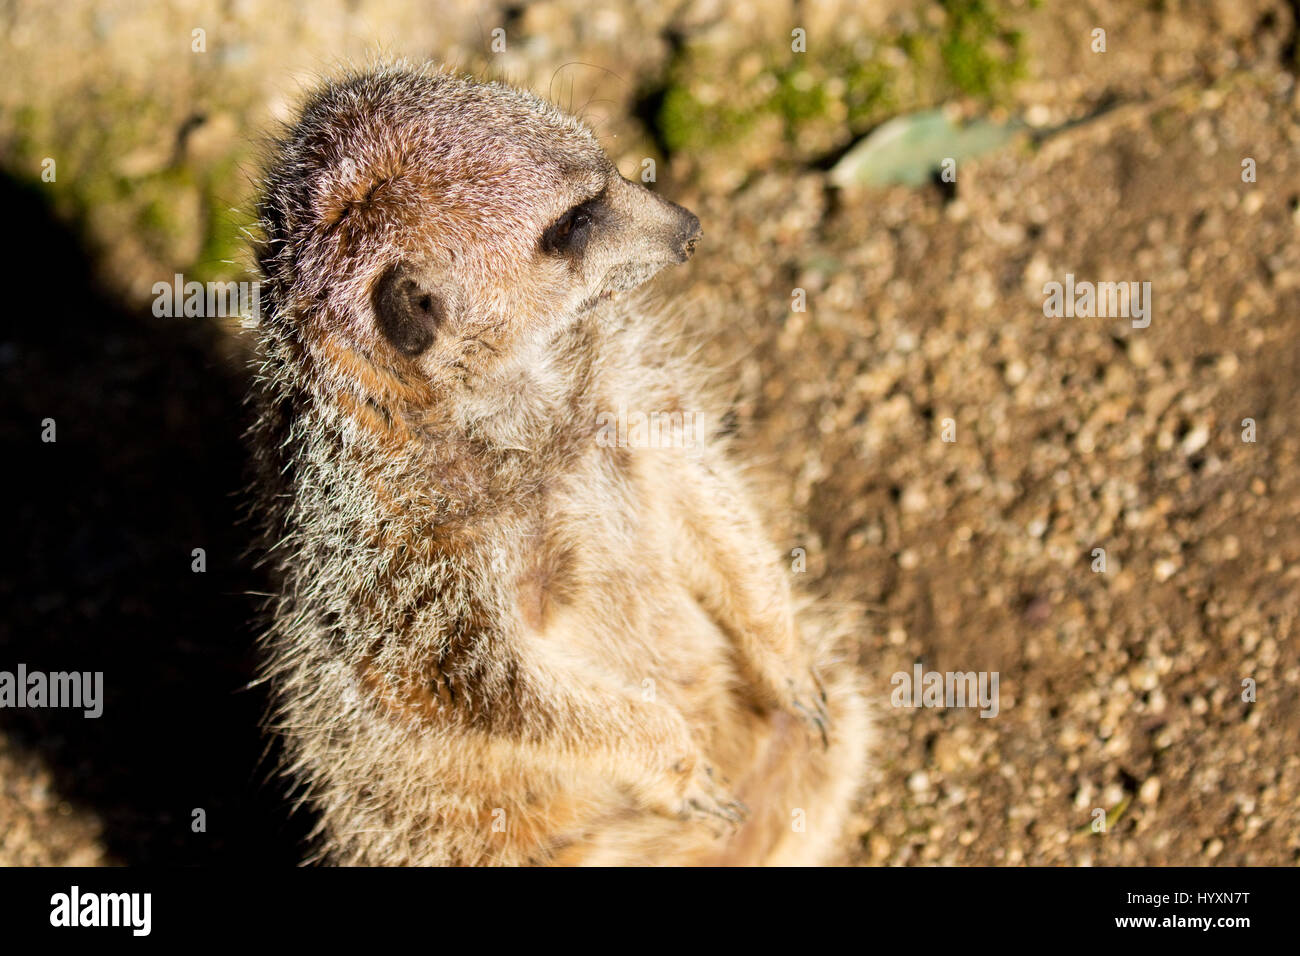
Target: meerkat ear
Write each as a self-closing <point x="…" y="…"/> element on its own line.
<point x="407" y="311"/>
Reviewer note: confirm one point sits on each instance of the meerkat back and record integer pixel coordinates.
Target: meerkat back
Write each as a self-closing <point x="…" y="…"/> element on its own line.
<point x="525" y="609"/>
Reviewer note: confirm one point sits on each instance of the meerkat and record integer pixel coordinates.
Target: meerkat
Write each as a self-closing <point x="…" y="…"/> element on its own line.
<point x="505" y="633"/>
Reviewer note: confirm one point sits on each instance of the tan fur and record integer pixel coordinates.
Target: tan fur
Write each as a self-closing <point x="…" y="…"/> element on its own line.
<point x="498" y="639"/>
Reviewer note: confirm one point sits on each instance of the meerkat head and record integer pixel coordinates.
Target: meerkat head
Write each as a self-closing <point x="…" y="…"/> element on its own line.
<point x="428" y="220"/>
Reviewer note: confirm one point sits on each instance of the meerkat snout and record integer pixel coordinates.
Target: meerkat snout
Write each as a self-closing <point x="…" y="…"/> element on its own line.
<point x="675" y="226"/>
<point x="691" y="235"/>
<point x="688" y="233"/>
<point x="636" y="233"/>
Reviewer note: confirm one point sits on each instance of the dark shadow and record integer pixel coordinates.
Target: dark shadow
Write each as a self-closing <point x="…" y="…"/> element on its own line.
<point x="95" y="574"/>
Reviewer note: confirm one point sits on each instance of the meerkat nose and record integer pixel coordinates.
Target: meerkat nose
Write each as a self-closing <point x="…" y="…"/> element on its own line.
<point x="689" y="235"/>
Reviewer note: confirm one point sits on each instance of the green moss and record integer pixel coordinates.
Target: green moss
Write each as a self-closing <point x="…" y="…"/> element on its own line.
<point x="868" y="95"/>
<point x="686" y="123"/>
<point x="157" y="207"/>
<point x="798" y="97"/>
<point x="915" y="47"/>
<point x="226" y="224"/>
<point x="980" y="55"/>
<point x="825" y="99"/>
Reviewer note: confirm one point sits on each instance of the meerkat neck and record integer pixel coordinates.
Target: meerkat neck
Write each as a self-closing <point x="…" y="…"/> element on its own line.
<point x="420" y="463"/>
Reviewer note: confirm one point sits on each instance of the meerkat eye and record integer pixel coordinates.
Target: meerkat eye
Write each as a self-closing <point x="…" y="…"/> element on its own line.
<point x="568" y="235"/>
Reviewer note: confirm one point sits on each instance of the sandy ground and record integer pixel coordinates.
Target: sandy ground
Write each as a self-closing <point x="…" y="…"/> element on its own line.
<point x="1121" y="692"/>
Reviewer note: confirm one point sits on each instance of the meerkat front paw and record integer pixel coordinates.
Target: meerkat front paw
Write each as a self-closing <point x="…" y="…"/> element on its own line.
<point x="787" y="681"/>
<point x="704" y="800"/>
<point x="806" y="699"/>
<point x="690" y="791"/>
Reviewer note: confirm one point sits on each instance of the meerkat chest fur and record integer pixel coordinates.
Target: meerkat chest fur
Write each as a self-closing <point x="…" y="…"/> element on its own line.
<point x="439" y="547"/>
